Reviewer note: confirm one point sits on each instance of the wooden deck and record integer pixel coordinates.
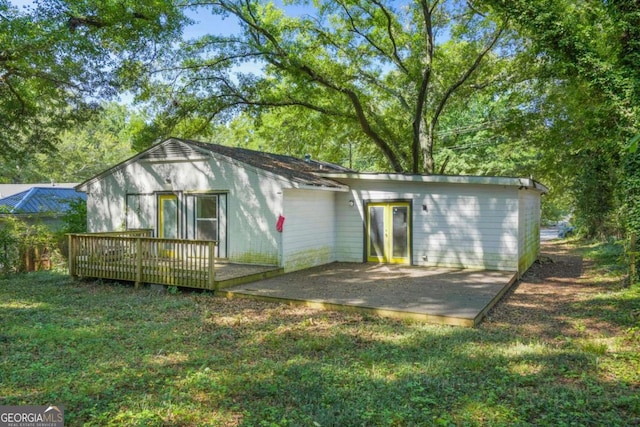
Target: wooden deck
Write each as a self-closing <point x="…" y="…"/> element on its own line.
<point x="435" y="295"/>
<point x="135" y="256"/>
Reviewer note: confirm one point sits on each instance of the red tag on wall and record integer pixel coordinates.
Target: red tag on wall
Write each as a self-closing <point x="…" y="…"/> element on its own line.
<point x="280" y="223"/>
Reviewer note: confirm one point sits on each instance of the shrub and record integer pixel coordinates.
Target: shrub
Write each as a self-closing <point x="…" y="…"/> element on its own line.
<point x="73" y="221"/>
<point x="20" y="240"/>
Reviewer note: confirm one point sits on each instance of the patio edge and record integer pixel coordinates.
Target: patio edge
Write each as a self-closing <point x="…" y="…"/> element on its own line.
<point x="395" y="314"/>
<point x="495" y="299"/>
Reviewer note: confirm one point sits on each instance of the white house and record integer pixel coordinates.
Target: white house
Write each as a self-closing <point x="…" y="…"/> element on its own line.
<point x="296" y="213"/>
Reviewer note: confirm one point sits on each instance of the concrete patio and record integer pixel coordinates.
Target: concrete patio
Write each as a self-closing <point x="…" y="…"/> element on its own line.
<point x="436" y="295"/>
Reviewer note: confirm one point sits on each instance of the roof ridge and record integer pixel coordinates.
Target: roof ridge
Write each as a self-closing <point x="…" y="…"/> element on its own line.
<point x="207" y="145"/>
<point x="23" y="201"/>
<point x="286" y="166"/>
<point x="35" y="199"/>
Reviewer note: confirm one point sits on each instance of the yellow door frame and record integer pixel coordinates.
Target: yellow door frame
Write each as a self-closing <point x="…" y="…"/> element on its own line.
<point x="387" y="255"/>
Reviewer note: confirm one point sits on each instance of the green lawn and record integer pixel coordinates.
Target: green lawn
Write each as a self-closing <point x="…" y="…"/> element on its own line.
<point x="114" y="355"/>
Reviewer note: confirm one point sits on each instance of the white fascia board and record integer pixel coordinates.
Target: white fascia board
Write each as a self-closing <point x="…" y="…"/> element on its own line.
<point x="338" y="188"/>
<point x="524" y="183"/>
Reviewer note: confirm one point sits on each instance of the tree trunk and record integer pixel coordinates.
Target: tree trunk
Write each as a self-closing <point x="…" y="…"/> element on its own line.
<point x="427" y="160"/>
<point x="426" y="148"/>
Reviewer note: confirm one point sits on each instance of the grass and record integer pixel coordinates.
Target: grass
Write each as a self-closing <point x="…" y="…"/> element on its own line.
<point x="114" y="355"/>
<point x="608" y="258"/>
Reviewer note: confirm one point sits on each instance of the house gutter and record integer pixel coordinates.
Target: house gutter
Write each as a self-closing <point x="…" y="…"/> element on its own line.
<point x="339" y="188"/>
<point x="521" y="183"/>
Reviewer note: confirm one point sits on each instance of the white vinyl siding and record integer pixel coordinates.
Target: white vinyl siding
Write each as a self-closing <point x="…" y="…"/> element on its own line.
<point x="308" y="237"/>
<point x="529" y="229"/>
<point x="349" y="227"/>
<point x="254" y="200"/>
<point x="465" y="222"/>
<point x="141" y="209"/>
<point x="106" y="208"/>
<point x="468" y="226"/>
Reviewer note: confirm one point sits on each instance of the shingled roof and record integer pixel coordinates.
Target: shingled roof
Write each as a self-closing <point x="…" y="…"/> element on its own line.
<point x="301" y="171"/>
<point x="41" y="200"/>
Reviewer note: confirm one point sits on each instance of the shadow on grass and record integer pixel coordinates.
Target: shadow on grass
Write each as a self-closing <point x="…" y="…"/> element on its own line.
<point x="113" y="355"/>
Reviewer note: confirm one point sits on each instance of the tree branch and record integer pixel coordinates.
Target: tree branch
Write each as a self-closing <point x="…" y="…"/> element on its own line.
<point x="462" y="79"/>
<point x="5" y="57"/>
<point x="395" y="54"/>
<point x="16" y="94"/>
<point x="474" y="9"/>
<point x="395" y="93"/>
<point x="74" y="22"/>
<point x="355" y="29"/>
<point x="364" y="123"/>
<point x="208" y="65"/>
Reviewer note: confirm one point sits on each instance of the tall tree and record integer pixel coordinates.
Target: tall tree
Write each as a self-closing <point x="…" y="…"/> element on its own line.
<point x="59" y="57"/>
<point x="592" y="52"/>
<point x="387" y="69"/>
<point x="87" y="150"/>
<point x="82" y="151"/>
<point x="298" y="132"/>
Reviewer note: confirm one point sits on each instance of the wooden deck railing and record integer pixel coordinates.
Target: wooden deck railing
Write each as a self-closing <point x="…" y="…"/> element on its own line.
<point x="140" y="232"/>
<point x="139" y="258"/>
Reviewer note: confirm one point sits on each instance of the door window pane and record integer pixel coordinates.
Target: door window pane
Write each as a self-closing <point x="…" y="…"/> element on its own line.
<point x="169" y="219"/>
<point x="376" y="231"/>
<point x="400" y="229"/>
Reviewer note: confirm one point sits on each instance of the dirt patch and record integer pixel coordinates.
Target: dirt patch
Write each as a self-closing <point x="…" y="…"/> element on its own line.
<point x="543" y="303"/>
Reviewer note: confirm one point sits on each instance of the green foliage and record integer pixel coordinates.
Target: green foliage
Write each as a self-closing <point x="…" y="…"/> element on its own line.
<point x="375" y="72"/>
<point x="74" y="220"/>
<point x="87" y="150"/>
<point x="556" y="209"/>
<point x="594" y="191"/>
<point x="631" y="191"/>
<point x="58" y="57"/>
<point x="298" y="132"/>
<point x="632" y="145"/>
<point x="607" y="256"/>
<point x="630" y="187"/>
<point x="591" y="57"/>
<point x="24" y="238"/>
<point x="82" y="151"/>
<point x="20" y="236"/>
